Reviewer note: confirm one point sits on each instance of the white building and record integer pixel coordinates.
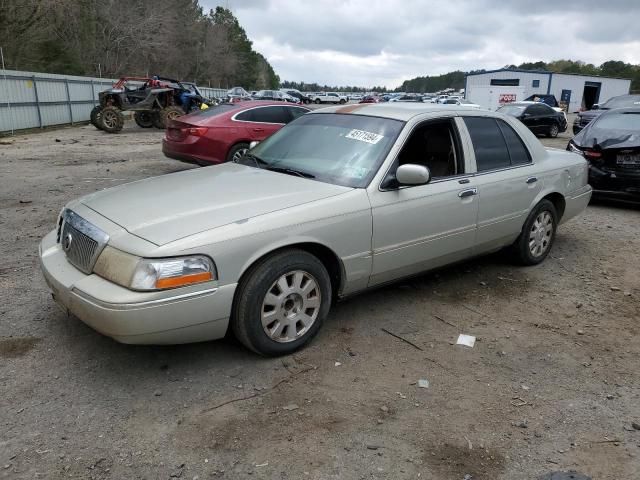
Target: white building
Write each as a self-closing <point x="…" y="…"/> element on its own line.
<point x="493" y="88"/>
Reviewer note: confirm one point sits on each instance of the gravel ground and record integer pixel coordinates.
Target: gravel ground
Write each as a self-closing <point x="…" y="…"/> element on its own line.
<point x="552" y="384"/>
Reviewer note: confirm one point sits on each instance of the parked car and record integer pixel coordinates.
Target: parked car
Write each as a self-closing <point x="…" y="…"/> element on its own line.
<point x="224" y="132"/>
<point x="544" y="98"/>
<point x="327" y="97"/>
<point x="370" y="99"/>
<point x="332" y="204"/>
<point x="297" y="94"/>
<point x="408" y="98"/>
<point x="611" y="145"/>
<point x="274" y="96"/>
<point x="621" y="101"/>
<point x="356" y="97"/>
<point x="461" y="102"/>
<point x="237" y="94"/>
<point x="539" y="117"/>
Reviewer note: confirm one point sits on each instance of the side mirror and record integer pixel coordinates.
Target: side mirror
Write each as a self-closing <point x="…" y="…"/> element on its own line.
<point x="253" y="144"/>
<point x="412" y="174"/>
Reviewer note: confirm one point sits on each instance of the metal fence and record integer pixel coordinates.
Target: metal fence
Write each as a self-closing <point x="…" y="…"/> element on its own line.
<point x="38" y="100"/>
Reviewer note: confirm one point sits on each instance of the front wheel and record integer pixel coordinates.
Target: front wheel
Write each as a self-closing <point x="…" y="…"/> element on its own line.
<point x="143" y="119"/>
<point x="282" y="303"/>
<point x="237" y="152"/>
<point x="537" y="236"/>
<point x="111" y="120"/>
<point x="554" y="130"/>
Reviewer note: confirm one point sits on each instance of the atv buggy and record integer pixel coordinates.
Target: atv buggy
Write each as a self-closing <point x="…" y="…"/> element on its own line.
<point x="154" y="101"/>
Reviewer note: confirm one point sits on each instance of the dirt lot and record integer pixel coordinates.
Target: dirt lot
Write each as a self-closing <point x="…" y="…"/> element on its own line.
<point x="552" y="384"/>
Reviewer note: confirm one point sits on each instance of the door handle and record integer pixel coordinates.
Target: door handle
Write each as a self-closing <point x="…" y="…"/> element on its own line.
<point x="531" y="180"/>
<point x="468" y="193"/>
<point x="258" y="129"/>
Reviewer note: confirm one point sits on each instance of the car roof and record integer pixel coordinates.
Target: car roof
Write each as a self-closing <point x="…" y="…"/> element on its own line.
<point x="259" y="103"/>
<point x="394" y="110"/>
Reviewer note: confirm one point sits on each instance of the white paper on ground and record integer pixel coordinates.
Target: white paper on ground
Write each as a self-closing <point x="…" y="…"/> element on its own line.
<point x="467" y="340"/>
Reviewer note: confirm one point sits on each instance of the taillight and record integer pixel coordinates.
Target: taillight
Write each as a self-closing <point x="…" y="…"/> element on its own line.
<point x="591" y="153"/>
<point x="197" y="131"/>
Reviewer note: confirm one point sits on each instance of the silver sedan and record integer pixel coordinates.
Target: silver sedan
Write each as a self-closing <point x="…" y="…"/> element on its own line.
<point x="341" y="200"/>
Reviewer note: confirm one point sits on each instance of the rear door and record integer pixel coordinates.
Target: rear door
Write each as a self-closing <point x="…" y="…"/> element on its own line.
<point x="506" y="181"/>
<point x="267" y="120"/>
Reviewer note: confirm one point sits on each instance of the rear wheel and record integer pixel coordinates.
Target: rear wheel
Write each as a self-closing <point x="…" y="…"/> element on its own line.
<point x="317" y="101"/>
<point x="537" y="236"/>
<point x="237" y="152"/>
<point x="156" y="120"/>
<point x="554" y="130"/>
<point x="95" y="115"/>
<point x="282" y="303"/>
<point x="143" y="119"/>
<point x="111" y="120"/>
<point x="170" y="113"/>
<point x="342" y="100"/>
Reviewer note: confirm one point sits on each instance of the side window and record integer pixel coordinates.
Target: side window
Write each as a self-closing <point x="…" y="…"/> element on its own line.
<point x="296" y="112"/>
<point x="433" y="145"/>
<point x="246" y="116"/>
<point x="488" y="143"/>
<point x="538" y="110"/>
<point x="517" y="151"/>
<point x="271" y="115"/>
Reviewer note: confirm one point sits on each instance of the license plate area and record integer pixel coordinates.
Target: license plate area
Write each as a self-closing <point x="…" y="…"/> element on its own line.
<point x="628" y="160"/>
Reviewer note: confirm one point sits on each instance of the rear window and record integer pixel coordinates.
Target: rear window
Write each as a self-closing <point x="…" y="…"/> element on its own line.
<point x="621" y="102"/>
<point x="619" y="121"/>
<point x="216" y="110"/>
<point x="513" y="110"/>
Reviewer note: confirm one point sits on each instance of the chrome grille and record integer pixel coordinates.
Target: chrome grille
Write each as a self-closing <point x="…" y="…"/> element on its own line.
<point x="81" y="241"/>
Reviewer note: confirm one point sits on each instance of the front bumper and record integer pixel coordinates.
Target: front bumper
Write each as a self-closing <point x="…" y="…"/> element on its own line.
<point x="183" y="315"/>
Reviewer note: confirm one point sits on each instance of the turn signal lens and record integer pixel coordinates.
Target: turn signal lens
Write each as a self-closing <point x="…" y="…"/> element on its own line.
<point x="173" y="282"/>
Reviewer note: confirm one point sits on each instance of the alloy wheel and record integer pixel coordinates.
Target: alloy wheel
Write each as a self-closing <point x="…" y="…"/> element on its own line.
<point x="291" y="306"/>
<point x="540" y="234"/>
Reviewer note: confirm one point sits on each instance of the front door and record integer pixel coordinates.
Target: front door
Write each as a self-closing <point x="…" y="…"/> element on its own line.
<point x="422" y="227"/>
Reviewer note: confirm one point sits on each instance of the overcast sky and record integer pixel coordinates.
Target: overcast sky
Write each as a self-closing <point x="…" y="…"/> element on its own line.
<point x="383" y="42"/>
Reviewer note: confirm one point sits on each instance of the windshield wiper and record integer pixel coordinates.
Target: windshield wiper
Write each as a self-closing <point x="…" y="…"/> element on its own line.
<point x="291" y="171"/>
<point x="256" y="160"/>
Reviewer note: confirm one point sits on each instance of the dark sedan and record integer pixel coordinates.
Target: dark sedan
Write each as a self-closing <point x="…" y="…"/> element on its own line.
<point x="539" y="117"/>
<point x="622" y="101"/>
<point x="611" y="145"/>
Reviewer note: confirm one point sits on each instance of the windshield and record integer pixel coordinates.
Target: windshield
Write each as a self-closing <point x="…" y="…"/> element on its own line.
<point x="621" y="102"/>
<point x="618" y="121"/>
<point x="333" y="148"/>
<point x="513" y="110"/>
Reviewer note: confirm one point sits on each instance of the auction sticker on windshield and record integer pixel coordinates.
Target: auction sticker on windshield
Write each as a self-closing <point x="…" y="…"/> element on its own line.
<point x="361" y="135"/>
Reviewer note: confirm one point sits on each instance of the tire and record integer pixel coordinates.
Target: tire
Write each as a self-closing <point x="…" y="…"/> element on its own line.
<point x="554" y="129"/>
<point x="538" y="234"/>
<point x="317" y="101"/>
<point x="111" y="120"/>
<point x="237" y="151"/>
<point x="170" y="113"/>
<point x="95" y="115"/>
<point x="156" y="120"/>
<point x="342" y="101"/>
<point x="274" y="293"/>
<point x="143" y="119"/>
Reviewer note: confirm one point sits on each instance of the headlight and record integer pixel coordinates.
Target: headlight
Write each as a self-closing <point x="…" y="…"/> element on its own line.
<point x="159" y="274"/>
<point x="147" y="274"/>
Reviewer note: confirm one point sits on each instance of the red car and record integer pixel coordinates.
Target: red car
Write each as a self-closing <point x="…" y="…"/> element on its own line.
<point x="223" y="133"/>
<point x="370" y="99"/>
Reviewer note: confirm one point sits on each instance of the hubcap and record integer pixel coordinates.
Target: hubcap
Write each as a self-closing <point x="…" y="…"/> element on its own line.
<point x="291" y="306"/>
<point x="173" y="115"/>
<point x="554" y="130"/>
<point x="109" y="119"/>
<point x="239" y="154"/>
<point x="540" y="234"/>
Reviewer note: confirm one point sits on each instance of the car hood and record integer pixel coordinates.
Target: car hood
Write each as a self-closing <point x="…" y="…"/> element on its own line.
<point x="166" y="208"/>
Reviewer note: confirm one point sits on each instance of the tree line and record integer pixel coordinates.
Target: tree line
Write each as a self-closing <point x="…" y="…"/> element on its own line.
<point x="611" y="68"/>
<point x="112" y="38"/>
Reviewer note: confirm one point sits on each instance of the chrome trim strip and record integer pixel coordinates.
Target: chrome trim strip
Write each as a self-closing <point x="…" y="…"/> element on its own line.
<point x="148" y="303"/>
